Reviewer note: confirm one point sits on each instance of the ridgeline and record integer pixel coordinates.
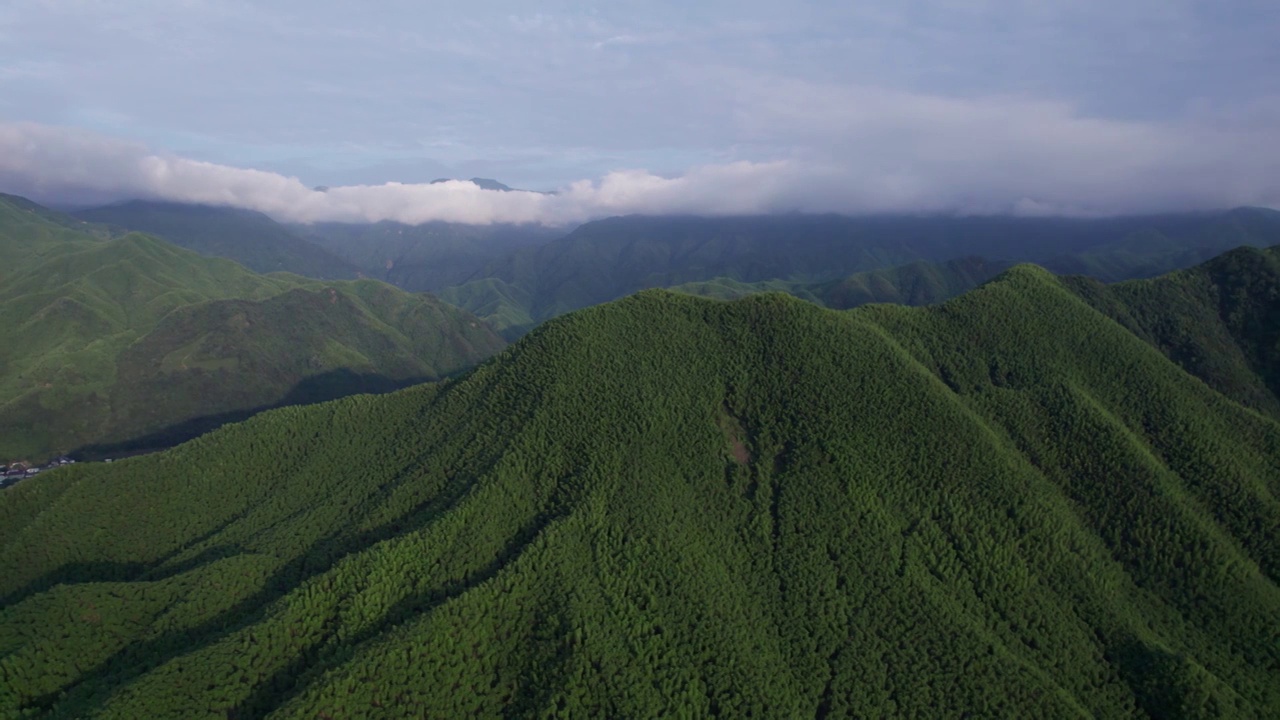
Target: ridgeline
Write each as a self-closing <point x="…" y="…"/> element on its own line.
<point x="113" y="344"/>
<point x="1005" y="505"/>
<point x="813" y="256"/>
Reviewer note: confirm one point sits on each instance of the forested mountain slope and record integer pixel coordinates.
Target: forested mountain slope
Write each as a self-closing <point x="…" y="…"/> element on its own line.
<point x="1004" y="505"/>
<point x="108" y="341"/>
<point x="919" y="283"/>
<point x="250" y="238"/>
<point x="427" y="257"/>
<point x="17" y="210"/>
<point x="1219" y="320"/>
<point x="607" y="259"/>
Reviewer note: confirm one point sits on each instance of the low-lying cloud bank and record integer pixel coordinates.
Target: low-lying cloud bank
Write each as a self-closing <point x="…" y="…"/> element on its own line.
<point x="872" y="153"/>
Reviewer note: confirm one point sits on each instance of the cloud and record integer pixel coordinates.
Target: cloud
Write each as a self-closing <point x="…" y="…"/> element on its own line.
<point x="834" y="149"/>
<point x="66" y="165"/>
<point x="895" y="95"/>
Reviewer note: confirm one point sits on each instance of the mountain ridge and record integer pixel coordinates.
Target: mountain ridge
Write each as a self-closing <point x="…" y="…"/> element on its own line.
<point x="606" y="259"/>
<point x="112" y="340"/>
<point x="1005" y="504"/>
<point x="248" y="237"/>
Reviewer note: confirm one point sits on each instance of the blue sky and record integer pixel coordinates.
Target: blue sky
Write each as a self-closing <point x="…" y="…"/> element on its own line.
<point x="1081" y="107"/>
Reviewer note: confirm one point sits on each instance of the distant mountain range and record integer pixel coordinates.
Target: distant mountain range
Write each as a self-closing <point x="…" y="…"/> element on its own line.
<point x="482" y="183"/>
<point x="515" y="276"/>
<point x="604" y="260"/>
<point x="423" y="258"/>
<point x="131" y="342"/>
<point x="230" y="323"/>
<point x="1037" y="499"/>
<point x="250" y="238"/>
<point x="918" y="283"/>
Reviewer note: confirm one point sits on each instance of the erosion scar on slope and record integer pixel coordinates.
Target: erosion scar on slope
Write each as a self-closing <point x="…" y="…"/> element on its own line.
<point x="734" y="433"/>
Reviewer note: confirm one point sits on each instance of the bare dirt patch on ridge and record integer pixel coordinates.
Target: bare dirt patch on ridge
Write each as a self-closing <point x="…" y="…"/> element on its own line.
<point x="735" y="435"/>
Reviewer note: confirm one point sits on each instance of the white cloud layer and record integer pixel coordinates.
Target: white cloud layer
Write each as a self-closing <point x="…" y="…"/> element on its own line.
<point x="847" y="149"/>
<point x="1089" y="106"/>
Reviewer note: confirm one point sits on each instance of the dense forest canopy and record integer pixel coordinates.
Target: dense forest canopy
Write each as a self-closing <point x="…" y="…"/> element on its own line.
<point x="810" y="255"/>
<point x="250" y="238"/>
<point x="1009" y="504"/>
<point x="115" y="340"/>
<point x="517" y="275"/>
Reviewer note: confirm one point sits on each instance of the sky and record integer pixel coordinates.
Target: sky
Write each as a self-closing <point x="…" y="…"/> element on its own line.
<point x="1078" y="107"/>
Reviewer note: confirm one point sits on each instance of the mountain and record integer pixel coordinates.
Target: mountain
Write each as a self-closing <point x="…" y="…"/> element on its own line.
<point x="504" y="307"/>
<point x="607" y="259"/>
<point x="919" y="283"/>
<point x="250" y="238"/>
<point x="1220" y="321"/>
<point x="39" y="218"/>
<point x="427" y="257"/>
<point x="1004" y="505"/>
<point x="134" y="340"/>
<point x="482" y="183"/>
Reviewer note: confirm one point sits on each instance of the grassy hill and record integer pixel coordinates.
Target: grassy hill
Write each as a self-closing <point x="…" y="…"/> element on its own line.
<point x="250" y="238"/>
<point x="604" y="260"/>
<point x="1004" y="505"/>
<point x="112" y="341"/>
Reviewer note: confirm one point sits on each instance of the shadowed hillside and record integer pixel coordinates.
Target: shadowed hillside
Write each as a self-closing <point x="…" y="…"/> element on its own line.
<point x="106" y="341"/>
<point x="250" y="238"/>
<point x="1219" y="320"/>
<point x="607" y="259"/>
<point x="1005" y="505"/>
<point x="918" y="283"/>
<point x="427" y="257"/>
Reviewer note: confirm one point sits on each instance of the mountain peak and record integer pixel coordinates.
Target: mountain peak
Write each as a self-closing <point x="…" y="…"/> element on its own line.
<point x="482" y="183"/>
<point x="982" y="500"/>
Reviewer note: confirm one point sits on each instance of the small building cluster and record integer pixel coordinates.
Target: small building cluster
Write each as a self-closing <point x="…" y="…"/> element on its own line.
<point x="13" y="472"/>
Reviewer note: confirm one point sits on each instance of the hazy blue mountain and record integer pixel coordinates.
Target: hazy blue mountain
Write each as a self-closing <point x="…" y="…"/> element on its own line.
<point x="606" y="259"/>
<point x="112" y="341"/>
<point x="247" y="237"/>
<point x="427" y="257"/>
<point x="483" y="183"/>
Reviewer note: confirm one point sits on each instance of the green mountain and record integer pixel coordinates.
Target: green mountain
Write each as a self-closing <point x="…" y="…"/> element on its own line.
<point x="1004" y="505"/>
<point x="427" y="257"/>
<point x="919" y="283"/>
<point x="134" y="340"/>
<point x="250" y="238"/>
<point x="503" y="307"/>
<point x="604" y="260"/>
<point x="37" y="218"/>
<point x="1217" y="320"/>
